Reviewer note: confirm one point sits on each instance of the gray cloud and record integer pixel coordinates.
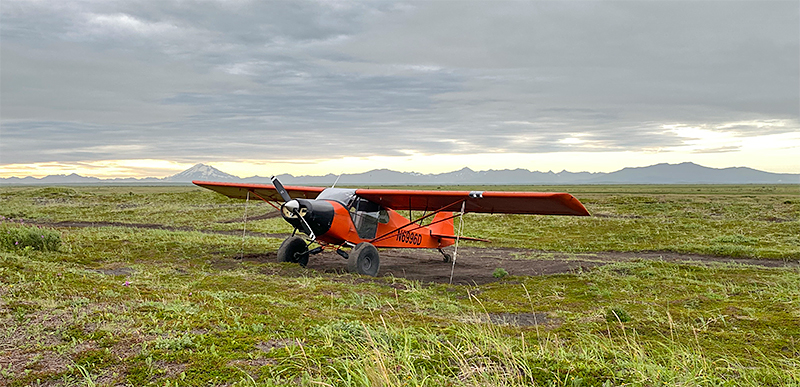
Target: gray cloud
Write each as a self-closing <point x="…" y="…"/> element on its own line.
<point x="242" y="79"/>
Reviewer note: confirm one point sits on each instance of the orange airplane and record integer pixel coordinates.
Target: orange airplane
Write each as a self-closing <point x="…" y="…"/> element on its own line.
<point x="365" y="219"/>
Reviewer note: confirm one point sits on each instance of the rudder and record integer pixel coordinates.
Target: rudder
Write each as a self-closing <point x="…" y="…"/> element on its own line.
<point x="442" y="227"/>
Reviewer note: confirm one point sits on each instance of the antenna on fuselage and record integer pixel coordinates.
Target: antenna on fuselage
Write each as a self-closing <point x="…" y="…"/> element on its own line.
<point x="244" y="224"/>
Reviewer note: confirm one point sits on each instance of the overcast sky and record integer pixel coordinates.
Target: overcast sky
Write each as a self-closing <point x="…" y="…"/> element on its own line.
<point x="148" y="88"/>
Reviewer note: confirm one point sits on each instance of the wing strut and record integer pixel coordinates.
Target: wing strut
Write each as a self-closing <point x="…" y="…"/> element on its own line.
<point x="458" y="237"/>
<point x="386" y="235"/>
<point x="262" y="198"/>
<point x="244" y="225"/>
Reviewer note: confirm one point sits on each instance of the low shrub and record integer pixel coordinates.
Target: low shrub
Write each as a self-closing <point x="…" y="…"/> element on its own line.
<point x="19" y="236"/>
<point x="499" y="272"/>
<point x="617" y="315"/>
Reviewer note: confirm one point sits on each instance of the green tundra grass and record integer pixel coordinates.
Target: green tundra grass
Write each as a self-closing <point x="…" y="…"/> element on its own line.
<point x="171" y="305"/>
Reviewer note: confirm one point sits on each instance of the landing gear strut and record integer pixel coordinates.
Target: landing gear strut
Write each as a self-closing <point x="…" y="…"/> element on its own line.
<point x="445" y="256"/>
<point x="362" y="259"/>
<point x="295" y="250"/>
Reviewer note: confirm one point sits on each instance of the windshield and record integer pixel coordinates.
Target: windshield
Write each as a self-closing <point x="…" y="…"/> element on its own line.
<point x="341" y="195"/>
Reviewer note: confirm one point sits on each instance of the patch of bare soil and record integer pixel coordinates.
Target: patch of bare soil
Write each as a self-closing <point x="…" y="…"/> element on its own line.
<point x="522" y="319"/>
<point x="126" y="271"/>
<point x="15" y="362"/>
<point x="517" y="319"/>
<point x="271" y="344"/>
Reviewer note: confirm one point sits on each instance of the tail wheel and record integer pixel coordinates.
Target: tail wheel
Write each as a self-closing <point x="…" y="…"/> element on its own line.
<point x="445" y="256"/>
<point x="364" y="259"/>
<point x="294" y="250"/>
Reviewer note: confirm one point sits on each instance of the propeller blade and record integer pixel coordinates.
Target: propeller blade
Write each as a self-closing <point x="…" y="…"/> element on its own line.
<point x="280" y="189"/>
<point x="308" y="226"/>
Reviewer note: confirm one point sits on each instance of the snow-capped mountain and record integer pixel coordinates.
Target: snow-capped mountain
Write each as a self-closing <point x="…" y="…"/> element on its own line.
<point x="201" y="172"/>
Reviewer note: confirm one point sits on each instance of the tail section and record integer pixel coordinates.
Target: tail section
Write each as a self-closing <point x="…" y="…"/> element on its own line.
<point x="445" y="231"/>
<point x="443" y="228"/>
<point x="440" y="227"/>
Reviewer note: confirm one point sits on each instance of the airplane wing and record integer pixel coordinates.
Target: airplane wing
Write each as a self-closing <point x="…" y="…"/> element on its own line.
<point x="541" y="203"/>
<point x="265" y="191"/>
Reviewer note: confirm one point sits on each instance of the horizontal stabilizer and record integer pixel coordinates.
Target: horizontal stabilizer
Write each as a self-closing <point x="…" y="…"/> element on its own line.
<point x="463" y="238"/>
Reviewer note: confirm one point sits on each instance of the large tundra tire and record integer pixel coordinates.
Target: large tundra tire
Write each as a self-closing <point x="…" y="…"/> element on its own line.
<point x="364" y="260"/>
<point x="294" y="250"/>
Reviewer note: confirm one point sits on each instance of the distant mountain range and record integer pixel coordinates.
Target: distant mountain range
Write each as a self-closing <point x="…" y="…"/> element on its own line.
<point x="684" y="173"/>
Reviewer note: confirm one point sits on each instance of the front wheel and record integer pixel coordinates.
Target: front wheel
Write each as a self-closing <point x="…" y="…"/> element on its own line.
<point x="364" y="259"/>
<point x="294" y="250"/>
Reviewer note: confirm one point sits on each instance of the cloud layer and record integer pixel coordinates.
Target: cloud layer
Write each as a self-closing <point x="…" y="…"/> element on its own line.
<point x="231" y="80"/>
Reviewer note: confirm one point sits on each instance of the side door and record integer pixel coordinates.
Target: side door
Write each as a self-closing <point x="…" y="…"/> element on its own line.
<point x="366" y="215"/>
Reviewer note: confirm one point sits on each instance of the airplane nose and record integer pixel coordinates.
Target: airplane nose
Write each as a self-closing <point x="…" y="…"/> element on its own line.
<point x="292" y="209"/>
<point x="313" y="217"/>
<point x="289" y="208"/>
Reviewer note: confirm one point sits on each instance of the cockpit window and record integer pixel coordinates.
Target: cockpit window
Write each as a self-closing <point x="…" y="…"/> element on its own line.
<point x="365" y="205"/>
<point x="366" y="216"/>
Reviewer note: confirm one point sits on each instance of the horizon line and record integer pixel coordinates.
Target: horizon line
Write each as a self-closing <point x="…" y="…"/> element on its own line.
<point x="380" y="169"/>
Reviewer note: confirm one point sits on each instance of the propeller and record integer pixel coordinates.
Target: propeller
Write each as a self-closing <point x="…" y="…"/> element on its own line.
<point x="292" y="206"/>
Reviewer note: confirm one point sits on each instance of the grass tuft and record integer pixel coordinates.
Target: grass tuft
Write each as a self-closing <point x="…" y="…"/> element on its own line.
<point x="499" y="273"/>
<point x="617" y="315"/>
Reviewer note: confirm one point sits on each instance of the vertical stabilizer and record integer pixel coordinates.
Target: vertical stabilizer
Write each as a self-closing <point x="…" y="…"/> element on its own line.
<point x="439" y="227"/>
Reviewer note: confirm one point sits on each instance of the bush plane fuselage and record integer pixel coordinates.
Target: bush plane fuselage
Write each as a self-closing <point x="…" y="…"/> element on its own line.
<point x="339" y="217"/>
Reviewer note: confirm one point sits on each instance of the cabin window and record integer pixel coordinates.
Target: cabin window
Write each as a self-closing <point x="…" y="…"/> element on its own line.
<point x="383" y="216"/>
<point x="366" y="216"/>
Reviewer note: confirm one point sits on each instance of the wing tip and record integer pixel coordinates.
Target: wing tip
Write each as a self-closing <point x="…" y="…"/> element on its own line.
<point x="577" y="206"/>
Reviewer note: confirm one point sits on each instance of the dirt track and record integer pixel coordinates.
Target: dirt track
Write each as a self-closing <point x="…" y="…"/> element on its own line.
<point x="474" y="265"/>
